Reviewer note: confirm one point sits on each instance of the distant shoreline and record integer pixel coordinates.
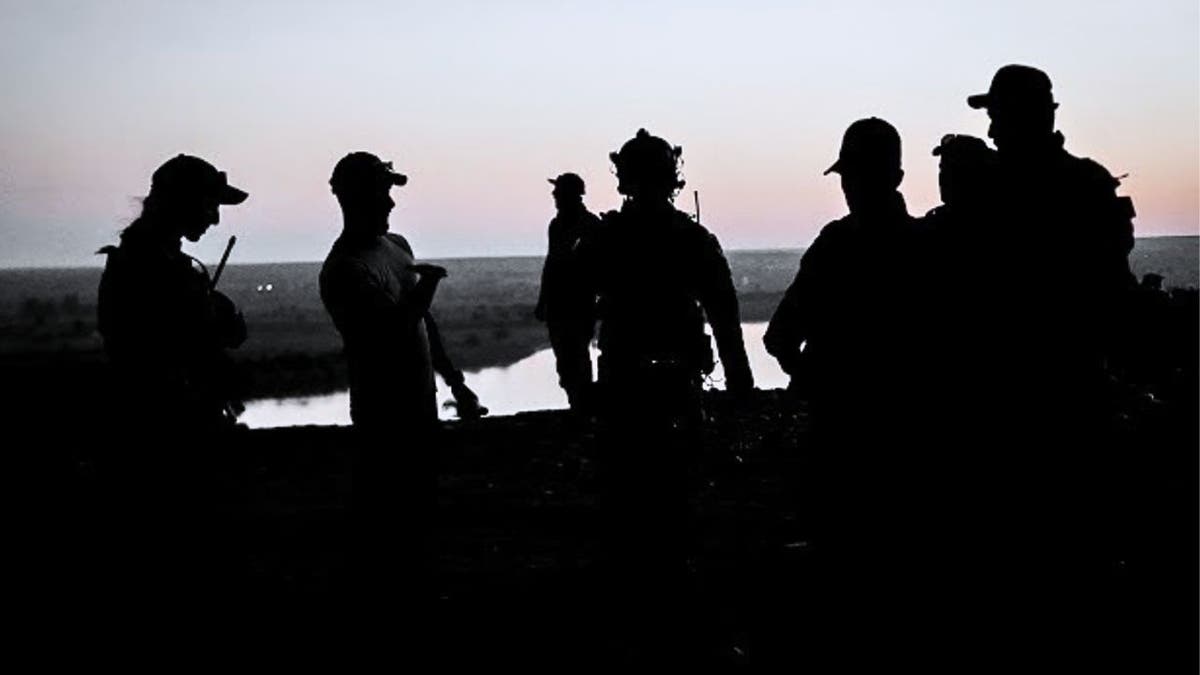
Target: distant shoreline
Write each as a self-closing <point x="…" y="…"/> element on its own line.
<point x="485" y="310"/>
<point x="782" y="249"/>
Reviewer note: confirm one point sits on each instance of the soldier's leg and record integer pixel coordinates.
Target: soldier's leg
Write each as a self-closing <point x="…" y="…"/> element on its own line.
<point x="570" y="341"/>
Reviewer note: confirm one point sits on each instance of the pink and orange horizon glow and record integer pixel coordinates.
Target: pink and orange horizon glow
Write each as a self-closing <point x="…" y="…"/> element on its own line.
<point x="480" y="102"/>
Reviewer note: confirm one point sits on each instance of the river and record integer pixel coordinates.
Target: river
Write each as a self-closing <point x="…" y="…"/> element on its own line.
<point x="528" y="384"/>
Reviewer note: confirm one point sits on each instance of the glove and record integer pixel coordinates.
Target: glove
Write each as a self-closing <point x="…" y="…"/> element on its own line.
<point x="466" y="402"/>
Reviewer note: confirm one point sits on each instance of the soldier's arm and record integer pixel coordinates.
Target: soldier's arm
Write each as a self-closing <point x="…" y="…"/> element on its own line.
<point x="1108" y="226"/>
<point x="540" y="312"/>
<point x="227" y="323"/>
<point x="360" y="305"/>
<point x="719" y="301"/>
<point x="587" y="257"/>
<point x="1117" y="223"/>
<point x="466" y="400"/>
<point x="788" y="328"/>
<point x="1109" y="235"/>
<point x="437" y="352"/>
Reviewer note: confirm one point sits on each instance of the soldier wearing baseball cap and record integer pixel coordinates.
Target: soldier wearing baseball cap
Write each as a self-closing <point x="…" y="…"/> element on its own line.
<point x="165" y="327"/>
<point x="1021" y="107"/>
<point x="1053" y="215"/>
<point x="568" y="184"/>
<point x="966" y="172"/>
<point x="185" y="176"/>
<point x="844" y="332"/>
<point x="870" y="169"/>
<point x="1016" y="86"/>
<point x="564" y="300"/>
<point x="363" y="171"/>
<point x="379" y="298"/>
<point x="1065" y="220"/>
<point x="175" y="395"/>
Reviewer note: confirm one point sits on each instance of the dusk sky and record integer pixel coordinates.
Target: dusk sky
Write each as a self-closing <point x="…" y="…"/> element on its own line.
<point x="480" y="102"/>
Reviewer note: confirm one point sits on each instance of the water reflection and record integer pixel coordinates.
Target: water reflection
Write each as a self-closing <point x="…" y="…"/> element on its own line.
<point x="528" y="384"/>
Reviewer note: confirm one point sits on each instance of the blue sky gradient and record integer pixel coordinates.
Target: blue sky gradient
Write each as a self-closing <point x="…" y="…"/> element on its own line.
<point x="480" y="102"/>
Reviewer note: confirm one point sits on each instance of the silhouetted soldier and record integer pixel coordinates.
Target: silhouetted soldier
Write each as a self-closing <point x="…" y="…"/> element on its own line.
<point x="165" y="332"/>
<point x="961" y="235"/>
<point x="165" y="328"/>
<point x="1065" y="221"/>
<point x="379" y="299"/>
<point x="845" y="332"/>
<point x="841" y="325"/>
<point x="564" y="302"/>
<point x="967" y="175"/>
<point x="658" y="275"/>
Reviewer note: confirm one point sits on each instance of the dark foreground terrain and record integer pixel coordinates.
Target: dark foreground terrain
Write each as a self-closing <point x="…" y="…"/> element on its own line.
<point x="517" y="579"/>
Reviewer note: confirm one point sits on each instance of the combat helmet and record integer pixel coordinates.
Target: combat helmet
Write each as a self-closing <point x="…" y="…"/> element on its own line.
<point x="647" y="165"/>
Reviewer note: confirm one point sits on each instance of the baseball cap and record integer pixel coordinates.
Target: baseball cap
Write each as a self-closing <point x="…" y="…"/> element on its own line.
<point x="869" y="142"/>
<point x="960" y="145"/>
<point x="569" y="183"/>
<point x="1015" y="85"/>
<point x="359" y="168"/>
<point x="188" y="175"/>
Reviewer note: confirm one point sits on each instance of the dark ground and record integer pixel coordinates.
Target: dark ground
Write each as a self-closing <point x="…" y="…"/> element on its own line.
<point x="517" y="581"/>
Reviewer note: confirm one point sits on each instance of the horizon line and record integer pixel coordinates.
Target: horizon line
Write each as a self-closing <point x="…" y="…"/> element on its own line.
<point x="19" y="268"/>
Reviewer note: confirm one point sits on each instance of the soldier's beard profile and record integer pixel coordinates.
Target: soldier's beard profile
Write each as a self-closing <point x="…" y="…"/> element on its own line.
<point x="368" y="215"/>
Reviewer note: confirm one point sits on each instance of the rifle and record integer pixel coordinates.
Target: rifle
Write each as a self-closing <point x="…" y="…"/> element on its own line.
<point x="221" y="265"/>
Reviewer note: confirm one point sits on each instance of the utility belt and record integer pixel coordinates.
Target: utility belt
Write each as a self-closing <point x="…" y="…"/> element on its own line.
<point x="654" y="367"/>
<point x="690" y="350"/>
<point x="654" y="381"/>
<point x="650" y="394"/>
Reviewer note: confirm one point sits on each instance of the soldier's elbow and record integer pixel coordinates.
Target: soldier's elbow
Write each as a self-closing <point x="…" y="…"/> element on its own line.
<point x="774" y="341"/>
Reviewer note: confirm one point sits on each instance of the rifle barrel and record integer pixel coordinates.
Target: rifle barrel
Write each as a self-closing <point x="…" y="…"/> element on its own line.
<point x="224" y="259"/>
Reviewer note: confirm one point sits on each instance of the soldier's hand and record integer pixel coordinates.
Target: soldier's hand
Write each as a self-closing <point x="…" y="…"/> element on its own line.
<point x="428" y="270"/>
<point x="467" y="402"/>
